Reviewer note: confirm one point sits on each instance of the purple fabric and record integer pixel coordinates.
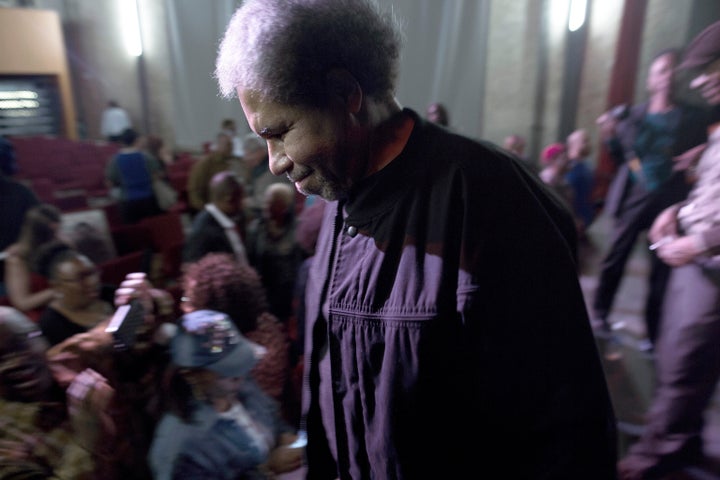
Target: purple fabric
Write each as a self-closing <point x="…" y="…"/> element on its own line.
<point x="452" y="311"/>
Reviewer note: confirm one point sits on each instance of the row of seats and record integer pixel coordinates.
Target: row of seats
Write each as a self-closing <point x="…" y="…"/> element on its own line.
<point x="62" y="171"/>
<point x="69" y="174"/>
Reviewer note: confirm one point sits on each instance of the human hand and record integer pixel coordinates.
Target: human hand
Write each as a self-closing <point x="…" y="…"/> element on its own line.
<point x="88" y="398"/>
<point x="689" y="158"/>
<point x="156" y="304"/>
<point x="19" y="446"/>
<point x="76" y="353"/>
<point x="608" y="121"/>
<point x="135" y="286"/>
<point x="665" y="225"/>
<point x="680" y="251"/>
<point x="285" y="459"/>
<point x="709" y="86"/>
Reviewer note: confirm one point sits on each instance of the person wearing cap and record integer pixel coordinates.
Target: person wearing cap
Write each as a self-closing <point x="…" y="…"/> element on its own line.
<point x="219" y="423"/>
<point x="687" y="353"/>
<point x="644" y="144"/>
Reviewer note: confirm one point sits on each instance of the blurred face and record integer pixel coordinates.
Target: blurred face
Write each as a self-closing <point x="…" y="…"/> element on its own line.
<point x="514" y="144"/>
<point x="225" y="387"/>
<point x="230" y="127"/>
<point x="708" y="83"/>
<point x="436" y="113"/>
<point x="275" y="206"/>
<point x="78" y="280"/>
<point x="661" y="74"/>
<point x="578" y="144"/>
<point x="255" y="157"/>
<point x="314" y="147"/>
<point x="24" y="373"/>
<point x="231" y="205"/>
<point x="216" y="387"/>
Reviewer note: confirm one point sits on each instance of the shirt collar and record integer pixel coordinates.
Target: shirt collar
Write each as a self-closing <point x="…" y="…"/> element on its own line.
<point x="218" y="215"/>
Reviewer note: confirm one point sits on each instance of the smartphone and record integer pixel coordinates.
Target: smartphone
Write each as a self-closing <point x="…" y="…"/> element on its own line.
<point x="125" y="323"/>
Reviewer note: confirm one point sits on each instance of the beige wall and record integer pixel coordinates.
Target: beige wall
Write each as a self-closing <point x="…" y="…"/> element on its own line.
<point x="666" y="26"/>
<point x="510" y="70"/>
<point x="33" y="44"/>
<point x="603" y="31"/>
<point x="102" y="70"/>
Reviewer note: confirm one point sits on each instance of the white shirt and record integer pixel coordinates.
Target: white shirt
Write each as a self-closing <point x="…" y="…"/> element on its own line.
<point x="230" y="232"/>
<point x="114" y="121"/>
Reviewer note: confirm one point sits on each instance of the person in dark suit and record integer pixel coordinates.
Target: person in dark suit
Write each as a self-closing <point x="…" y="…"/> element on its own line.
<point x="219" y="226"/>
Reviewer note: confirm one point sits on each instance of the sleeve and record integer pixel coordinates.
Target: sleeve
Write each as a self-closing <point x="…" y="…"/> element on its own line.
<point x="711" y="238"/>
<point x="224" y="451"/>
<point x="523" y="316"/>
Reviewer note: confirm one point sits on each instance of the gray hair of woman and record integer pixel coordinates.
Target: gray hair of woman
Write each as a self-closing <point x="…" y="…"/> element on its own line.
<point x="284" y="49"/>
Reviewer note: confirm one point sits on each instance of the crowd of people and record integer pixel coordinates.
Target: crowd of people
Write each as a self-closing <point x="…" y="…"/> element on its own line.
<point x="363" y="331"/>
<point x="143" y="405"/>
<point x="666" y="190"/>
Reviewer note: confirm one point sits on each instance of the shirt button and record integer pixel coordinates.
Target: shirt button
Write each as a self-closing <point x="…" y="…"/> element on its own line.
<point x="352" y="230"/>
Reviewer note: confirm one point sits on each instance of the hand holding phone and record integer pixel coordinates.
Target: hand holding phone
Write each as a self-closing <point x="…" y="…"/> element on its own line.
<point x="125" y="324"/>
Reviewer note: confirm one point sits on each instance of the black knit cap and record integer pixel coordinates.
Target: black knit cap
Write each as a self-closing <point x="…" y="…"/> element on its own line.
<point x="703" y="49"/>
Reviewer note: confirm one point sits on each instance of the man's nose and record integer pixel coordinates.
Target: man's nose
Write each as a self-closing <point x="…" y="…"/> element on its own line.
<point x="279" y="162"/>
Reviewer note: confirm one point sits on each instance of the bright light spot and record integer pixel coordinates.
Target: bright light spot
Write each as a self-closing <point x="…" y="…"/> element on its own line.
<point x="18" y="94"/>
<point x="12" y="104"/>
<point x="577" y="14"/>
<point x="130" y="25"/>
<point x="559" y="16"/>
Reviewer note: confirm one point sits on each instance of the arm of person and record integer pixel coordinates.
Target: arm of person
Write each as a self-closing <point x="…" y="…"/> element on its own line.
<point x="683" y="250"/>
<point x="689" y="158"/>
<point x="18" y="280"/>
<point x="112" y="175"/>
<point x="91" y="349"/>
<point x="608" y="127"/>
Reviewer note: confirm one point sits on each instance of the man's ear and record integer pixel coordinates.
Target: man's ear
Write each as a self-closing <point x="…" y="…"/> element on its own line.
<point x="343" y="84"/>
